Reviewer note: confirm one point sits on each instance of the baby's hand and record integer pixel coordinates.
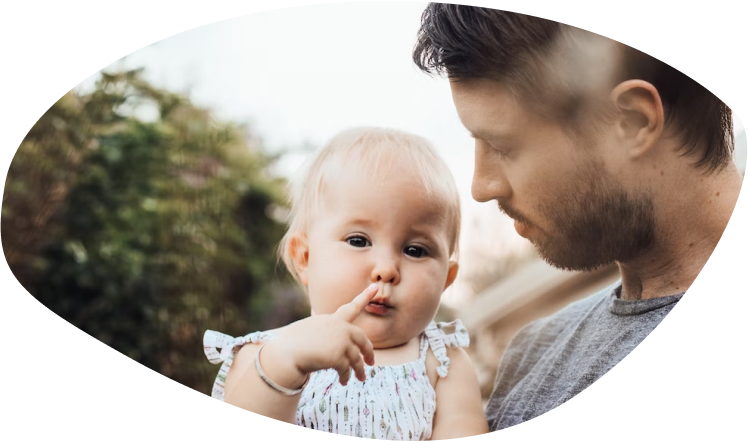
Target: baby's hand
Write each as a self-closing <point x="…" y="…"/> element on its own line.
<point x="330" y="341"/>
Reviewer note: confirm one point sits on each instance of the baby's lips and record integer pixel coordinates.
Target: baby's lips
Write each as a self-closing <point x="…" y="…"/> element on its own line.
<point x="381" y="301"/>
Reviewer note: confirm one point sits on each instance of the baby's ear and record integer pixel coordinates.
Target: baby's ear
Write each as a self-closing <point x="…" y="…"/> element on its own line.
<point x="298" y="248"/>
<point x="452" y="274"/>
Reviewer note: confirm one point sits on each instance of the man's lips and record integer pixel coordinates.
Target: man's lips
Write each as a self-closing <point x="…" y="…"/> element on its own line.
<point x="522" y="228"/>
<point x="515" y="215"/>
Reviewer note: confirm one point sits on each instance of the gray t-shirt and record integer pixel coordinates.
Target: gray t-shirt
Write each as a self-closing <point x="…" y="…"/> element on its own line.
<point x="555" y="358"/>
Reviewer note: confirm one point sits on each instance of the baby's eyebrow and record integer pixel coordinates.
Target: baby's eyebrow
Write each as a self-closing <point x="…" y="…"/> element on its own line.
<point x="359" y="221"/>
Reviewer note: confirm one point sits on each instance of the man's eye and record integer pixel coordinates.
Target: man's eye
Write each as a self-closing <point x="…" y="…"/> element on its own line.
<point x="414" y="251"/>
<point x="501" y="152"/>
<point x="358" y="241"/>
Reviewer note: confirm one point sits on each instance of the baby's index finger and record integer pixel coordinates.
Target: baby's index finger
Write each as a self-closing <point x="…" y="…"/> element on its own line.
<point x="350" y="311"/>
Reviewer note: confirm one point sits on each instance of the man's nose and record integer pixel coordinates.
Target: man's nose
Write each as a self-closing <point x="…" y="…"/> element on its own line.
<point x="489" y="179"/>
<point x="386" y="268"/>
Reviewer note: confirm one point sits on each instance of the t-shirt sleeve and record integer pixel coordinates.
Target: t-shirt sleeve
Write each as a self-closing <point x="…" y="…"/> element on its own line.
<point x="526" y="350"/>
<point x="523" y="352"/>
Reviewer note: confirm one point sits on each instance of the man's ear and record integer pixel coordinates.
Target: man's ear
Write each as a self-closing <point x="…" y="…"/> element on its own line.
<point x="641" y="119"/>
<point x="298" y="248"/>
<point x="451" y="274"/>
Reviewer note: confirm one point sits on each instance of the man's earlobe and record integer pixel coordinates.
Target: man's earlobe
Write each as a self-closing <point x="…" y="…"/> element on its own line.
<point x="298" y="247"/>
<point x="641" y="118"/>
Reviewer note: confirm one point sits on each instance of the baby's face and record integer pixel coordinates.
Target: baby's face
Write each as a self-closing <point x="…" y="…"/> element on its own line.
<point x="383" y="230"/>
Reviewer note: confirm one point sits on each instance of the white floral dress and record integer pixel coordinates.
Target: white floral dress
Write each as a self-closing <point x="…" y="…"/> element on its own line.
<point x="395" y="402"/>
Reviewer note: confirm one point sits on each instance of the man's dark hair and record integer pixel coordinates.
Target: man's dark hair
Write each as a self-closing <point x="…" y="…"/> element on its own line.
<point x="556" y="66"/>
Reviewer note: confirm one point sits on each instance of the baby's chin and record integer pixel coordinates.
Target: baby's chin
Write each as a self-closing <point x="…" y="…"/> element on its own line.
<point x="386" y="336"/>
<point x="395" y="328"/>
<point x="388" y="344"/>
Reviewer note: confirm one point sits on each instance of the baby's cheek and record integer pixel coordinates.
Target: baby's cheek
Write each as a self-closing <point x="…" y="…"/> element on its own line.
<point x="427" y="302"/>
<point x="324" y="295"/>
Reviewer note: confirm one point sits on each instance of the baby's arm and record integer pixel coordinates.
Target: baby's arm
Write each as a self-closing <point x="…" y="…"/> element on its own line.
<point x="308" y="345"/>
<point x="459" y="412"/>
<point x="244" y="387"/>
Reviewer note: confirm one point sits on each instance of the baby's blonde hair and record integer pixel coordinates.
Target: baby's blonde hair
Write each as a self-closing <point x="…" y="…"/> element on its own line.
<point x="374" y="149"/>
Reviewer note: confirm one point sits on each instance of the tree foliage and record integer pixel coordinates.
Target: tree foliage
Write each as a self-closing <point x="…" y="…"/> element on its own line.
<point x="144" y="233"/>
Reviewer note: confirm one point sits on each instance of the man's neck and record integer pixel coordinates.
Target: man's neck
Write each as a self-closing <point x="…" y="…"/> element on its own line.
<point x="687" y="234"/>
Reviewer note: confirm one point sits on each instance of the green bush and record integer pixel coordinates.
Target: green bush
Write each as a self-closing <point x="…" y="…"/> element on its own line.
<point x="145" y="233"/>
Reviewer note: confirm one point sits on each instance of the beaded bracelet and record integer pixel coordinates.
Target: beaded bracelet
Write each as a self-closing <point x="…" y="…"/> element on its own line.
<point x="284" y="390"/>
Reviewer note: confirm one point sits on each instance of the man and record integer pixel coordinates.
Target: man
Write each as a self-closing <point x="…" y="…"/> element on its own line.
<point x="600" y="154"/>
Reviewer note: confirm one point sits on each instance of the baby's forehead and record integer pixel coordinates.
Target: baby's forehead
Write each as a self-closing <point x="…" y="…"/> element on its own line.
<point x="383" y="167"/>
<point x="356" y="172"/>
<point x="356" y="197"/>
<point x="394" y="181"/>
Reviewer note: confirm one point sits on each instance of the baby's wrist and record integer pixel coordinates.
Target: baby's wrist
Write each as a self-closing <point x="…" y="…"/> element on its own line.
<point x="281" y="367"/>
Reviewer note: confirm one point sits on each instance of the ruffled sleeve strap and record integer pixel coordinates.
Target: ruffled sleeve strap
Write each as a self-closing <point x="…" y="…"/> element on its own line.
<point x="229" y="346"/>
<point x="440" y="340"/>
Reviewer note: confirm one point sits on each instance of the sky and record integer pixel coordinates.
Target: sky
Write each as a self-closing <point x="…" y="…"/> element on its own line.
<point x="298" y="76"/>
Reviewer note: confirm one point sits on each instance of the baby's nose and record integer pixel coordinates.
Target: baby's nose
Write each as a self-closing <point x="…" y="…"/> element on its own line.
<point x="386" y="270"/>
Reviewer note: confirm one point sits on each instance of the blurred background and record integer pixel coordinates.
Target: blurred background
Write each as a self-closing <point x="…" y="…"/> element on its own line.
<point x="145" y="206"/>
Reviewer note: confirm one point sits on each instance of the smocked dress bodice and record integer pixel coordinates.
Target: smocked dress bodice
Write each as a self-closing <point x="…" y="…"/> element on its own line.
<point x="395" y="402"/>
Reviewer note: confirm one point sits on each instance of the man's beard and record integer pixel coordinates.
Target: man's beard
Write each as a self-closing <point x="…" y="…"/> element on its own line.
<point x="594" y="222"/>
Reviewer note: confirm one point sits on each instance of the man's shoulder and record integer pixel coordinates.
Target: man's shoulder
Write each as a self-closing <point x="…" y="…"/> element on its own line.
<point x="574" y="310"/>
<point x="583" y="306"/>
<point x="533" y="341"/>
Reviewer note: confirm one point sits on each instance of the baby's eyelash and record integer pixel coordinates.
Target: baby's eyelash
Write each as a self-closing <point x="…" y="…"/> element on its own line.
<point x="358" y="241"/>
<point x="415" y="249"/>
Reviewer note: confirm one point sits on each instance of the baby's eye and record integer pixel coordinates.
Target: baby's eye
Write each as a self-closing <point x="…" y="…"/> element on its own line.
<point x="414" y="251"/>
<point x="358" y="241"/>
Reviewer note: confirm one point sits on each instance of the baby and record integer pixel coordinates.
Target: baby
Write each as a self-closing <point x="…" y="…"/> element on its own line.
<point x="373" y="241"/>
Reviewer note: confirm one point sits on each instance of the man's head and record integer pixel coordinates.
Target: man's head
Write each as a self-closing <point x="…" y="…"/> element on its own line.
<point x="575" y="133"/>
